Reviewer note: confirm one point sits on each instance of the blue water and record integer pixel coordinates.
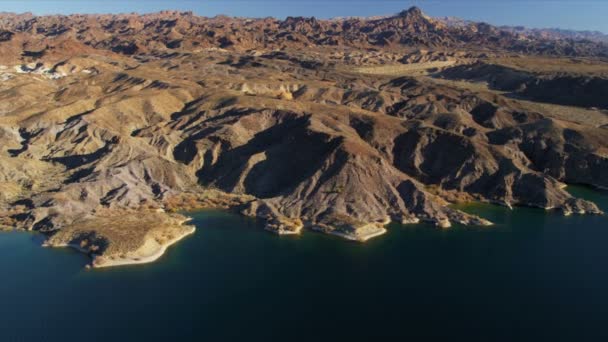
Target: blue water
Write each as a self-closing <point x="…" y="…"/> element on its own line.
<point x="535" y="276"/>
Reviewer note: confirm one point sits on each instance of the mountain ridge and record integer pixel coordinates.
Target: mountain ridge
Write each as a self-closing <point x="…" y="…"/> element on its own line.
<point x="407" y="28"/>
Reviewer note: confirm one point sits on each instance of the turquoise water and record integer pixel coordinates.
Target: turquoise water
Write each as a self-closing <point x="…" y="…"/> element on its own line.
<point x="532" y="277"/>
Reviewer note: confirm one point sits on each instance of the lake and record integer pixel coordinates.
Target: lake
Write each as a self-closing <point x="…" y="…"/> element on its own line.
<point x="534" y="276"/>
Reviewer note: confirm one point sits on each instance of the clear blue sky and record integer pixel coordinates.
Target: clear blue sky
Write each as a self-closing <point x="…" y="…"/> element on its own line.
<point x="573" y="14"/>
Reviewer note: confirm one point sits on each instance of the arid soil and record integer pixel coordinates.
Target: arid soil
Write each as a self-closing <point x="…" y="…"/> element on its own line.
<point x="111" y="124"/>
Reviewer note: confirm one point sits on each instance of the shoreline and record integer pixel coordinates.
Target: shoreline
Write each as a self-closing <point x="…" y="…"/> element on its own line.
<point x="151" y="250"/>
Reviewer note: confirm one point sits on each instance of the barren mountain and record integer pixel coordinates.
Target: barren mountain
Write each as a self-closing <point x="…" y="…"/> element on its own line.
<point x="555" y="33"/>
<point x="111" y="123"/>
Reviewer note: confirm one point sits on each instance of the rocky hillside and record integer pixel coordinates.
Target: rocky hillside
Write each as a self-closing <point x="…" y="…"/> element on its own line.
<point x="105" y="118"/>
<point x="567" y="89"/>
<point x="555" y="33"/>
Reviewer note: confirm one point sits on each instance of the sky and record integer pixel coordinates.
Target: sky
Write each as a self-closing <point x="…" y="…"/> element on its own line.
<point x="573" y="14"/>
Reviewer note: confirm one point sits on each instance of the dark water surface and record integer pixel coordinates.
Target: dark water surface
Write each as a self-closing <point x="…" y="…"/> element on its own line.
<point x="532" y="277"/>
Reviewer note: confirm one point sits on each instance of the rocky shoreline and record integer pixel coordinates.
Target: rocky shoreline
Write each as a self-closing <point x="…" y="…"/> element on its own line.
<point x="168" y="229"/>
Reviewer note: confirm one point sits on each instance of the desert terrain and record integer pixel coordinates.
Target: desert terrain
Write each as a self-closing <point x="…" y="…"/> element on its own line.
<point x="113" y="126"/>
